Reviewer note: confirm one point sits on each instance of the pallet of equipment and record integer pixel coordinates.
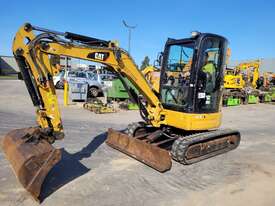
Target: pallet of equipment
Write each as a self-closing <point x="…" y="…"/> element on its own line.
<point x="99" y="107"/>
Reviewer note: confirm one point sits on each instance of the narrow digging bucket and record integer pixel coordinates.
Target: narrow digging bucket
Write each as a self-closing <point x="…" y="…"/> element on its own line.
<point x="30" y="160"/>
<point x="149" y="154"/>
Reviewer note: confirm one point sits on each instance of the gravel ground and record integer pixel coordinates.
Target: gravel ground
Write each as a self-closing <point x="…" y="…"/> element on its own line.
<point x="91" y="173"/>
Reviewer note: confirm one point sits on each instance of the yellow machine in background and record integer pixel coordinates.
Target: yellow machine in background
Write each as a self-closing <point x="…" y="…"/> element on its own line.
<point x="250" y="72"/>
<point x="181" y="70"/>
<point x="233" y="80"/>
<point x="268" y="80"/>
<point x="152" y="75"/>
<point x="267" y="87"/>
<point x="243" y="75"/>
<point x="240" y="84"/>
<point x="179" y="122"/>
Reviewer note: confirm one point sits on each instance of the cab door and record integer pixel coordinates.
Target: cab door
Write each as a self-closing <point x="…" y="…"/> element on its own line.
<point x="211" y="62"/>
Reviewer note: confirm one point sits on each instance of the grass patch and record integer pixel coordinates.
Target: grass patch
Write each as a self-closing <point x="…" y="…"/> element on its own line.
<point x="9" y="77"/>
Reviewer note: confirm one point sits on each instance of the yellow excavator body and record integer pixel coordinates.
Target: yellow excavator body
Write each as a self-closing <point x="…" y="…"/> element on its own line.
<point x="180" y="121"/>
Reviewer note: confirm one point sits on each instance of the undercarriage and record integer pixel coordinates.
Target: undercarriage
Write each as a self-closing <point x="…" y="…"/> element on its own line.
<point x="157" y="146"/>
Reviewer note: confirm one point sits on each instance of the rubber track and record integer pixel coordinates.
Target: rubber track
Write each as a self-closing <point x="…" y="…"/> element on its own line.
<point x="181" y="145"/>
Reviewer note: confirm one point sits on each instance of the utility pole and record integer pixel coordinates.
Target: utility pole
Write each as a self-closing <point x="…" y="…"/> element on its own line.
<point x="129" y="33"/>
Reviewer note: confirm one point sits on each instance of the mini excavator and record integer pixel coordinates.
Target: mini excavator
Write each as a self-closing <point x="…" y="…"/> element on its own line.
<point x="180" y="122"/>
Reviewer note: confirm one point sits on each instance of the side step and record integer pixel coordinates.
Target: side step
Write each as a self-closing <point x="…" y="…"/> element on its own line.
<point x="149" y="154"/>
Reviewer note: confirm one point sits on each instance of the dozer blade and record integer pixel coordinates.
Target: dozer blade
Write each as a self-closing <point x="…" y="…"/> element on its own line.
<point x="30" y="160"/>
<point x="151" y="155"/>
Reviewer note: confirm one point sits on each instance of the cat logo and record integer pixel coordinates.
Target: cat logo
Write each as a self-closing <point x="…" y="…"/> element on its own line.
<point x="101" y="56"/>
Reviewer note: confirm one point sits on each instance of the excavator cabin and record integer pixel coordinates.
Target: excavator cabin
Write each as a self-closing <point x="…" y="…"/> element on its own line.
<point x="191" y="74"/>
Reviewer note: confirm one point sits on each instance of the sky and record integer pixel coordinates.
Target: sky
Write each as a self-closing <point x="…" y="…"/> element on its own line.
<point x="248" y="25"/>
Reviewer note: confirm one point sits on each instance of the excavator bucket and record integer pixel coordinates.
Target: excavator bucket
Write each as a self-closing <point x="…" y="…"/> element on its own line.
<point x="30" y="160"/>
<point x="149" y="154"/>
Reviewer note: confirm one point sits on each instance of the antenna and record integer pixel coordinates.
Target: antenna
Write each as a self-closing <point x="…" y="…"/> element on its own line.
<point x="130" y="28"/>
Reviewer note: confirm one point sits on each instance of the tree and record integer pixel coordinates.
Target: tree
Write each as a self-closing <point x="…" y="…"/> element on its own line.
<point x="145" y="63"/>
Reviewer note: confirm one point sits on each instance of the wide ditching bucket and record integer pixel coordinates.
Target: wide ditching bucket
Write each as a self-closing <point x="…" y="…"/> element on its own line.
<point x="149" y="154"/>
<point x="31" y="160"/>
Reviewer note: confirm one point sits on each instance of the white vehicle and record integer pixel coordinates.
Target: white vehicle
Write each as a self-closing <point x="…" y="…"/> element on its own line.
<point x="58" y="80"/>
<point x="96" y="82"/>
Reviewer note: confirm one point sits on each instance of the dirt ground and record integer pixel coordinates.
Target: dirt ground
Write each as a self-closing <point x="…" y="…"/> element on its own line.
<point x="91" y="173"/>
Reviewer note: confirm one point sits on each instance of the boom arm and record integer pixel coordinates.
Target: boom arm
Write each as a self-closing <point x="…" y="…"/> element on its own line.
<point x="32" y="54"/>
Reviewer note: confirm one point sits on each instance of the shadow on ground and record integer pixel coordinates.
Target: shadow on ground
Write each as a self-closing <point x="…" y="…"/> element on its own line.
<point x="70" y="167"/>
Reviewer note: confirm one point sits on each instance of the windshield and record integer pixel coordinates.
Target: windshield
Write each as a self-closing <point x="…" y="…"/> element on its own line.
<point x="180" y="57"/>
<point x="176" y="78"/>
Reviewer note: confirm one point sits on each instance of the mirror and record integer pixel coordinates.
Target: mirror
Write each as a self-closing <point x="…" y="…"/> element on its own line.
<point x="158" y="61"/>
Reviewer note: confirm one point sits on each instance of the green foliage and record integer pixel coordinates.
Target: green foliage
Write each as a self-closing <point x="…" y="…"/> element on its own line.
<point x="145" y="63"/>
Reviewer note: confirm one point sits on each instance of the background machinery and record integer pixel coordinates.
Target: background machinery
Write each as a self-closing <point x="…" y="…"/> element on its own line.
<point x="233" y="85"/>
<point x="152" y="74"/>
<point x="117" y="92"/>
<point x="240" y="84"/>
<point x="266" y="84"/>
<point x="180" y="122"/>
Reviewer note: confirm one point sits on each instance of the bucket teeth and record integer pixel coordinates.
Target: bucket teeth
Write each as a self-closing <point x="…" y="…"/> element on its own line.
<point x="30" y="160"/>
<point x="150" y="155"/>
